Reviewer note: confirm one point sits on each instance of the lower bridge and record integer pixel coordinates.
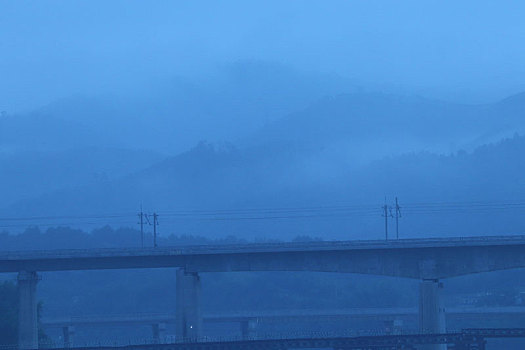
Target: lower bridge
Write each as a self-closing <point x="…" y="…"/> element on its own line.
<point x="248" y="320"/>
<point x="467" y="339"/>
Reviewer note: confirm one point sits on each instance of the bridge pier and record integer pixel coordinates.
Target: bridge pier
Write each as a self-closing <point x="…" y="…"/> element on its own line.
<point x="68" y="332"/>
<point x="248" y="328"/>
<point x="188" y="316"/>
<point x="431" y="311"/>
<point x="27" y="310"/>
<point x="159" y="332"/>
<point x="393" y="326"/>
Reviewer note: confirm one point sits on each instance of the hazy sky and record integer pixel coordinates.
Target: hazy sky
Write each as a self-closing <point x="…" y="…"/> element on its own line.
<point x="468" y="49"/>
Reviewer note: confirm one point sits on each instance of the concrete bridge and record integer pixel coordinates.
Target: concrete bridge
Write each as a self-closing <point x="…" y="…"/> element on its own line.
<point x="429" y="260"/>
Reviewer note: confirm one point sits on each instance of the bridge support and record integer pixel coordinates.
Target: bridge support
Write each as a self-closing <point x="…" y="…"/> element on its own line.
<point x="188" y="316"/>
<point x="248" y="328"/>
<point x="394" y="326"/>
<point x="431" y="311"/>
<point x="159" y="332"/>
<point x="68" y="332"/>
<point x="27" y="313"/>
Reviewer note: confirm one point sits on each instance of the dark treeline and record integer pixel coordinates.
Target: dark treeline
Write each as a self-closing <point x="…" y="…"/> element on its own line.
<point x="35" y="238"/>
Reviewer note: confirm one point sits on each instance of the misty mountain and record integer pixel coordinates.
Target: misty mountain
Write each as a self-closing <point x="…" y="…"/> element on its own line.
<point x="171" y="115"/>
<point x="210" y="178"/>
<point x="373" y="125"/>
<point x="31" y="173"/>
<point x="176" y="115"/>
<point x="43" y="133"/>
<point x="510" y="111"/>
<point x="168" y="117"/>
<point x="355" y="147"/>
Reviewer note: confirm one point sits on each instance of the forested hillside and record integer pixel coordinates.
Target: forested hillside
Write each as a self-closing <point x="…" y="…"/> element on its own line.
<point x="220" y="191"/>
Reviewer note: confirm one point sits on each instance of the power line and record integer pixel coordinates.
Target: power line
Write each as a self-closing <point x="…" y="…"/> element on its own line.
<point x="264" y="210"/>
<point x="61" y="224"/>
<point x="353" y="208"/>
<point x="32" y="218"/>
<point x="279" y="213"/>
<point x="281" y="217"/>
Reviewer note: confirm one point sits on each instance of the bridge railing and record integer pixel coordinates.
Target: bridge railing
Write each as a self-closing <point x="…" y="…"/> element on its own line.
<point x="189" y="249"/>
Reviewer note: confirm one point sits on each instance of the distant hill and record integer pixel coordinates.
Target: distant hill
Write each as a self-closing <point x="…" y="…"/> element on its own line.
<point x="171" y="115"/>
<point x="44" y="133"/>
<point x="512" y="106"/>
<point x="341" y="148"/>
<point x="72" y="139"/>
<point x="31" y="173"/>
<point x="225" y="182"/>
<point x="374" y="125"/>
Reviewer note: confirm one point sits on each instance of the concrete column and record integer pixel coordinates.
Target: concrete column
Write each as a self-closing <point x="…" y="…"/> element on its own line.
<point x="394" y="326"/>
<point x="248" y="328"/>
<point x="68" y="333"/>
<point x="431" y="311"/>
<point x="188" y="316"/>
<point x="27" y="313"/>
<point x="159" y="332"/>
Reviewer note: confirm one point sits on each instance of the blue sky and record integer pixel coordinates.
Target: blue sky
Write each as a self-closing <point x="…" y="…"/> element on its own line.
<point x="467" y="50"/>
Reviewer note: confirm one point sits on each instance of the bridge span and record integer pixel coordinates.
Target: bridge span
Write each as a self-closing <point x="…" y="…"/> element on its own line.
<point x="248" y="321"/>
<point x="428" y="260"/>
<point x="466" y="339"/>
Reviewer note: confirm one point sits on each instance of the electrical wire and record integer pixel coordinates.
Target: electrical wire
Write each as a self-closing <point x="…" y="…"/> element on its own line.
<point x="258" y="214"/>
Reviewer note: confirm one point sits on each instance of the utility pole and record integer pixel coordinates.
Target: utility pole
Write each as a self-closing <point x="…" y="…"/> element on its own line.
<point x="141" y="217"/>
<point x="385" y="214"/>
<point x="155" y="223"/>
<point x="146" y="216"/>
<point x="398" y="215"/>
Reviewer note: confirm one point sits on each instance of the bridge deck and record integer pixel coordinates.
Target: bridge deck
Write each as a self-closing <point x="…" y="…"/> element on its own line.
<point x="284" y="314"/>
<point x="405" y="257"/>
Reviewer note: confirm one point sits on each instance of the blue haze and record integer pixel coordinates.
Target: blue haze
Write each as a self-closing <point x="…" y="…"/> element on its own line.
<point x="253" y="121"/>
